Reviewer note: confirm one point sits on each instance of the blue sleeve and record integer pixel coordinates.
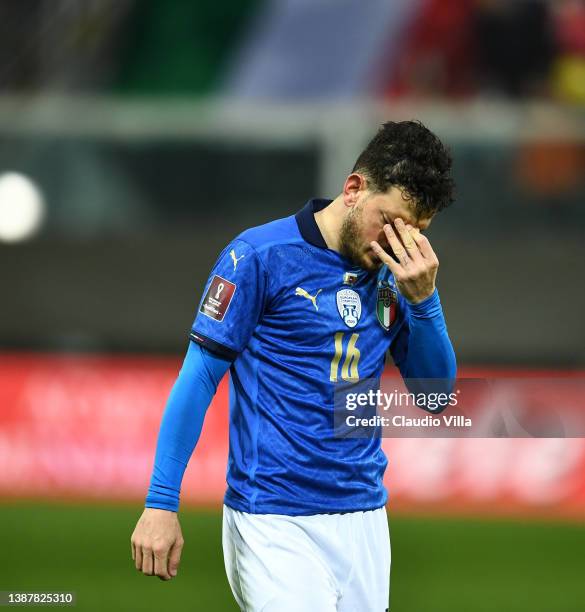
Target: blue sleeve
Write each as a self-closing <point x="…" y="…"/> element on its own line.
<point x="233" y="301"/>
<point x="181" y="424"/>
<point x="422" y="348"/>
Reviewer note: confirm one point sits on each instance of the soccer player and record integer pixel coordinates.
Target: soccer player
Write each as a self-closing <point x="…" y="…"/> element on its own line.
<point x="294" y="308"/>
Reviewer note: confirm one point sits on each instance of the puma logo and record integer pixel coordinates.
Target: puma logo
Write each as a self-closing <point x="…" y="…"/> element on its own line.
<point x="235" y="259"/>
<point x="313" y="298"/>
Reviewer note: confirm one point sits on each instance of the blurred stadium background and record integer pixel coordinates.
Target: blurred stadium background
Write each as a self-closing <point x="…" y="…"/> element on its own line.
<point x="138" y="137"/>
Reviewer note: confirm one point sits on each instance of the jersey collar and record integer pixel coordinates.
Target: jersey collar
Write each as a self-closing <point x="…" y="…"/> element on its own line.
<point x="306" y="221"/>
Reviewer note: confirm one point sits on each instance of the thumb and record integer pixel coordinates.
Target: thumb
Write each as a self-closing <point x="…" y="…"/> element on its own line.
<point x="175" y="557"/>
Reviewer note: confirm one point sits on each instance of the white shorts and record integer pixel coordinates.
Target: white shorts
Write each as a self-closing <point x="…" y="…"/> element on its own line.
<point x="319" y="563"/>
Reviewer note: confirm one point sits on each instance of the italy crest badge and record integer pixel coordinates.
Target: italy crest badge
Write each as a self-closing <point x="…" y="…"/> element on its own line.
<point x="386" y="305"/>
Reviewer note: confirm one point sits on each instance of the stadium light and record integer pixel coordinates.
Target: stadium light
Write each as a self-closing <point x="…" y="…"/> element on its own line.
<point x="22" y="207"/>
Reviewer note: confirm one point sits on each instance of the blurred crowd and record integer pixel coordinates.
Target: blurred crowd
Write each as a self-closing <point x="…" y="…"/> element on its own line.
<point x="515" y="48"/>
<point x="298" y="49"/>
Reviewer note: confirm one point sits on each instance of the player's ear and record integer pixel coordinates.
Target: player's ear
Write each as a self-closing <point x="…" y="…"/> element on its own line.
<point x="355" y="184"/>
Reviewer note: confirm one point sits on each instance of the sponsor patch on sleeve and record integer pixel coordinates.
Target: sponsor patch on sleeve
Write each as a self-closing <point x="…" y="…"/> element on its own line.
<point x="218" y="298"/>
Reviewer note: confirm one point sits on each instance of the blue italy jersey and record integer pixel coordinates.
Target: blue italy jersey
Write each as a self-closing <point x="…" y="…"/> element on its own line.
<point x="296" y="318"/>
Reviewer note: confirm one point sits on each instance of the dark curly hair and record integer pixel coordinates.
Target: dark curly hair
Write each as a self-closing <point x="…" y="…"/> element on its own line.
<point x="408" y="155"/>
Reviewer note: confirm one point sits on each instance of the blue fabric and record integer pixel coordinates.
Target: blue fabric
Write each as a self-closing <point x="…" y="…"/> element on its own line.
<point x="423" y="350"/>
<point x="297" y="328"/>
<point x="244" y="310"/>
<point x="281" y="305"/>
<point x="181" y="424"/>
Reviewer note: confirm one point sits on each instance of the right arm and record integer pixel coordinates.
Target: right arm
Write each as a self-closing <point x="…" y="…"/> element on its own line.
<point x="157" y="540"/>
<point x="232" y="303"/>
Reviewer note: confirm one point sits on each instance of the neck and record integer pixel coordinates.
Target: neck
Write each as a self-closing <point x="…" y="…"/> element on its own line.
<point x="329" y="221"/>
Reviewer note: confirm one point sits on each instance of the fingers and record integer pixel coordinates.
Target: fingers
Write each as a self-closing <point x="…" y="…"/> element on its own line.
<point x="158" y="561"/>
<point x="147" y="562"/>
<point x="405" y="232"/>
<point x="424" y="245"/>
<point x="396" y="246"/>
<point x="137" y="557"/>
<point x="175" y="557"/>
<point x="161" y="563"/>
<point x="385" y="258"/>
<point x="415" y="274"/>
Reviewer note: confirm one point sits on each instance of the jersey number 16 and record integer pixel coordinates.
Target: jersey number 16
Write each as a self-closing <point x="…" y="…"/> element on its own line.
<point x="349" y="369"/>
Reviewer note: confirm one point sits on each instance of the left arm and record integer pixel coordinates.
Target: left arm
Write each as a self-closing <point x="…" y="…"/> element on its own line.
<point x="422" y="350"/>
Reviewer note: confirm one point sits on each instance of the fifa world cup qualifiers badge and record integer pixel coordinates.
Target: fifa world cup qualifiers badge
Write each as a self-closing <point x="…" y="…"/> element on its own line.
<point x="218" y="298"/>
<point x="386" y="305"/>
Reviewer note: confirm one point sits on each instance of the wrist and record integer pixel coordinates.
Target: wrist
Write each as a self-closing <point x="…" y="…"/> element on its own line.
<point x="428" y="307"/>
<point x="157" y="510"/>
<point x="159" y="504"/>
<point x="422" y="301"/>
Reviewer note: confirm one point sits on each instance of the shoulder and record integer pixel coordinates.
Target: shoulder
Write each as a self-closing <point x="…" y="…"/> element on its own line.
<point x="279" y="231"/>
<point x="260" y="248"/>
<point x="263" y="238"/>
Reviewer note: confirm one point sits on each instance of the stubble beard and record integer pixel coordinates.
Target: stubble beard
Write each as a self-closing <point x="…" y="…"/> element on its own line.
<point x="350" y="245"/>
